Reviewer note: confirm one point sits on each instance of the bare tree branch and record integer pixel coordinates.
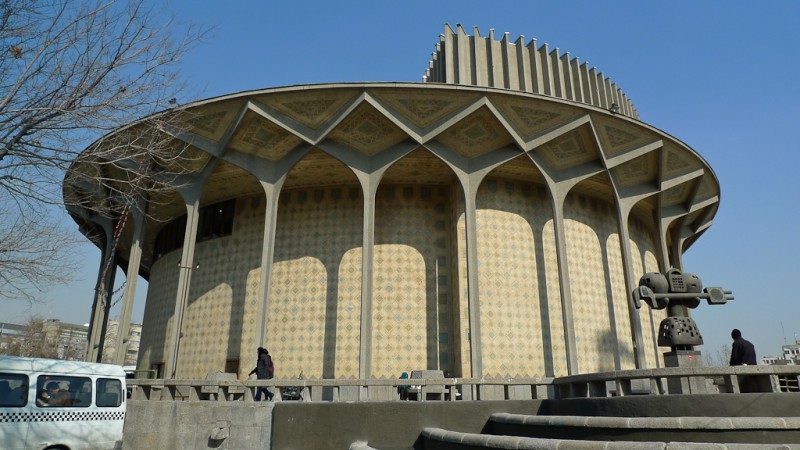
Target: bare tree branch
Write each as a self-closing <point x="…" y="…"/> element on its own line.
<point x="71" y="72"/>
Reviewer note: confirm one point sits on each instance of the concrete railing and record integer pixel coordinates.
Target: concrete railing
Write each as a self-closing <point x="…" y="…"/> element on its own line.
<point x="699" y="380"/>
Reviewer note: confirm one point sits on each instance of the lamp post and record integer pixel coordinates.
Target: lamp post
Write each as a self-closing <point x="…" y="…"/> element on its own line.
<point x="184" y="299"/>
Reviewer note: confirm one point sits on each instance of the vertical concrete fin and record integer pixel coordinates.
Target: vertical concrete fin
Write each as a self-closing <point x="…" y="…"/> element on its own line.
<point x="547" y="70"/>
<point x="537" y="80"/>
<point x="586" y="79"/>
<point x="450" y="60"/>
<point x="566" y="69"/>
<point x="577" y="79"/>
<point x="464" y="62"/>
<point x="523" y="66"/>
<point x="508" y="55"/>
<point x="558" y="73"/>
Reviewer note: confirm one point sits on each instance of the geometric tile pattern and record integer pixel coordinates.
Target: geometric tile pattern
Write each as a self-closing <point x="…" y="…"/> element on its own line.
<point x="412" y="313"/>
<point x="589" y="223"/>
<point x="257" y="135"/>
<point x="511" y="323"/>
<point x="224" y="289"/>
<point x="643" y="260"/>
<point x="475" y="135"/>
<point x="315" y="297"/>
<point x="219" y="320"/>
<point x="420" y="308"/>
<point x="367" y="130"/>
<point x="618" y="292"/>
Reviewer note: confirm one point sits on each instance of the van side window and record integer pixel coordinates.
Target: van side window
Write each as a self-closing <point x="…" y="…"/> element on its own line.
<point x="63" y="391"/>
<point x="13" y="390"/>
<point x="109" y="392"/>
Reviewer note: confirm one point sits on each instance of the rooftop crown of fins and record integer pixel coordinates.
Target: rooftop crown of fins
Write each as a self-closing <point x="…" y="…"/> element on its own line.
<point x="478" y="61"/>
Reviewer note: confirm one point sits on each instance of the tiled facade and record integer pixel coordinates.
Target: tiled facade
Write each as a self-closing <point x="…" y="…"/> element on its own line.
<point x="420" y="315"/>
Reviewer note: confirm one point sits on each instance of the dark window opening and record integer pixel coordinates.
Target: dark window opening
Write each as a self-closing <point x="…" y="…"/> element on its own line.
<point x="215" y="221"/>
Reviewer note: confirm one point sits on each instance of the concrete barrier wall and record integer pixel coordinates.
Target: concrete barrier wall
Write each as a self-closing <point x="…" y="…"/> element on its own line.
<point x="394" y="425"/>
<point x="194" y="425"/>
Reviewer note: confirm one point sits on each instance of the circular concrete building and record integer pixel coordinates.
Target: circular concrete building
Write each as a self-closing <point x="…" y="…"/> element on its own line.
<point x="491" y="221"/>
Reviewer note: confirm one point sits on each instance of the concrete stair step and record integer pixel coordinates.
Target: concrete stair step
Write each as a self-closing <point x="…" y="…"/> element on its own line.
<point x="439" y="439"/>
<point x="750" y="430"/>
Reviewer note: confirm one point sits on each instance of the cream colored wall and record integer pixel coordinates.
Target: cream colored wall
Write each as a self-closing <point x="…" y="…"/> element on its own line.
<point x="420" y="310"/>
<point x="508" y="281"/>
<point x="219" y="321"/>
<point x="159" y="307"/>
<point x="588" y="221"/>
<point x="315" y="297"/>
<point x="412" y="312"/>
<point x="643" y="260"/>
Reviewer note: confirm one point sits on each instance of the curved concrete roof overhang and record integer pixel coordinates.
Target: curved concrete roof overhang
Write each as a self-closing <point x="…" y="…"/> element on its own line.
<point x="327" y="130"/>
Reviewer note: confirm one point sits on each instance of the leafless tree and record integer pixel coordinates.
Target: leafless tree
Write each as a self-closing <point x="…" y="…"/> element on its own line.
<point x="38" y="340"/>
<point x="720" y="357"/>
<point x="71" y="71"/>
<point x="35" y="254"/>
<point x="42" y="338"/>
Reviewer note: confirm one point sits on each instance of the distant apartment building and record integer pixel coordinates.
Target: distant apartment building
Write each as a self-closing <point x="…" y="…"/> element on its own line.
<point x="131" y="343"/>
<point x="790" y="356"/>
<point x="53" y="338"/>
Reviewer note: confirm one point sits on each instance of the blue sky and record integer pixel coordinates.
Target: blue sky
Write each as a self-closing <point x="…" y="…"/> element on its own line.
<point x="719" y="75"/>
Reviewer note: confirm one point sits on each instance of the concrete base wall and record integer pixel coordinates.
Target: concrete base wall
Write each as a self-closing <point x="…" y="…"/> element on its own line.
<point x="197" y="425"/>
<point x="395" y="425"/>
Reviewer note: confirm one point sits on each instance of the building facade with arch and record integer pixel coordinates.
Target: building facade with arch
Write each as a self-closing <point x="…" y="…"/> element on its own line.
<point x="489" y="222"/>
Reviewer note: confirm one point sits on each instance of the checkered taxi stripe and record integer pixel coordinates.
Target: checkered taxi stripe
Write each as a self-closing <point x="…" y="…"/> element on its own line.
<point x="60" y="416"/>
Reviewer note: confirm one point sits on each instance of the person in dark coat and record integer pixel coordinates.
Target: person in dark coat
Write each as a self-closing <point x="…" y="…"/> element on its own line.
<point x="743" y="352"/>
<point x="264" y="370"/>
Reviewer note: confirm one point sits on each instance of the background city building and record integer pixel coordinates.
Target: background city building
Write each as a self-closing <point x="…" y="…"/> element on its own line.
<point x="52" y="338"/>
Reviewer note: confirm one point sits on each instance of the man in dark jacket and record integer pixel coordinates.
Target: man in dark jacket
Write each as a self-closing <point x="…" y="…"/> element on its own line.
<point x="264" y="370"/>
<point x="743" y="352"/>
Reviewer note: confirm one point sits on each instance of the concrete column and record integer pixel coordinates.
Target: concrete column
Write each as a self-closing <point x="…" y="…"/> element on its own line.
<point x="105" y="286"/>
<point x="367" y="272"/>
<point x="191" y="197"/>
<point x="557" y="199"/>
<point x="631" y="281"/>
<point x="134" y="262"/>
<point x="473" y="298"/>
<point x="185" y="267"/>
<point x="272" y="193"/>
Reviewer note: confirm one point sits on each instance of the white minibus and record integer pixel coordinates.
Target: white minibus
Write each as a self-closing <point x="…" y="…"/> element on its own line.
<point x="65" y="405"/>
